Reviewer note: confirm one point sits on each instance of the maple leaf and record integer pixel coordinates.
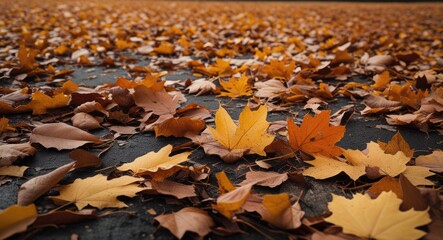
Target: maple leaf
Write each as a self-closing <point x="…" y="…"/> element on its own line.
<point x="325" y="167"/>
<point x="187" y="219"/>
<point x="315" y="136"/>
<point x="249" y="137"/>
<point x="220" y="68"/>
<point x="16" y="219"/>
<point x="165" y="48"/>
<point x="236" y="87"/>
<point x="381" y="81"/>
<point x="279" y="70"/>
<point x="98" y="192"/>
<point x="375" y="164"/>
<point x="397" y="143"/>
<point x="41" y="102"/>
<point x="61" y="136"/>
<point x="155" y="161"/>
<point x="279" y="212"/>
<point x="378" y="218"/>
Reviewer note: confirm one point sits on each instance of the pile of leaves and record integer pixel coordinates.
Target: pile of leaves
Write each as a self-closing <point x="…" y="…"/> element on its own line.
<point x="286" y="58"/>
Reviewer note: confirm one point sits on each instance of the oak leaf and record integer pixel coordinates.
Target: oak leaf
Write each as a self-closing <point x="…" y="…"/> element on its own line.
<point x="315" y="135"/>
<point x="15" y="219"/>
<point x="187" y="219"/>
<point x="155" y="161"/>
<point x="61" y="136"/>
<point x="249" y="136"/>
<point x="378" y="218"/>
<point x="11" y="152"/>
<point x="235" y="88"/>
<point x="41" y="102"/>
<point x="98" y="192"/>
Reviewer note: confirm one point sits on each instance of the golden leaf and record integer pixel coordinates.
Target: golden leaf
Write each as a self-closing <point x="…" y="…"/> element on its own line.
<point x="378" y="218"/>
<point x="98" y="192"/>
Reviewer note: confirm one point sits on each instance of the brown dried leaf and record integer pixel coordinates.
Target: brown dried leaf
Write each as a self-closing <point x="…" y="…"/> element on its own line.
<point x="179" y="127"/>
<point x="187" y="219"/>
<point x="61" y="136"/>
<point x="11" y="152"/>
<point x="266" y="179"/>
<point x="85" y="121"/>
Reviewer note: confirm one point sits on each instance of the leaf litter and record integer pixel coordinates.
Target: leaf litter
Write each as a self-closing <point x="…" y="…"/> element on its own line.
<point x="288" y="58"/>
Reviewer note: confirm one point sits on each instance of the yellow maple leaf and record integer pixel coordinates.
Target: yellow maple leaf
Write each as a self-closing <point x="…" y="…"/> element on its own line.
<point x="325" y="167"/>
<point x="231" y="202"/>
<point x="98" y="191"/>
<point x="41" y="102"/>
<point x="15" y="219"/>
<point x="153" y="162"/>
<point x="315" y="135"/>
<point x="278" y="69"/>
<point x="236" y="87"/>
<point x="378" y="218"/>
<point x="250" y="135"/>
<point x="357" y="164"/>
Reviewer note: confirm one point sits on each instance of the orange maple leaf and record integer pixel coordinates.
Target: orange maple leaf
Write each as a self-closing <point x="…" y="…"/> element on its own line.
<point x="315" y="135"/>
<point x="41" y="102"/>
<point x="278" y="69"/>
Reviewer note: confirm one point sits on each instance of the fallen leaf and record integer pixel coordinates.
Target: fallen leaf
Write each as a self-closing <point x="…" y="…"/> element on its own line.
<point x="378" y="218"/>
<point x="155" y="161"/>
<point x="14" y="171"/>
<point x="315" y="135"/>
<point x="16" y="219"/>
<point x="84" y="159"/>
<point x="270" y="89"/>
<point x="178" y="190"/>
<point x="236" y="87"/>
<point x="98" y="192"/>
<point x="381" y="81"/>
<point x="85" y="121"/>
<point x="201" y="86"/>
<point x="160" y="103"/>
<point x="266" y="179"/>
<point x="187" y="219"/>
<point x="37" y="186"/>
<point x="4" y="125"/>
<point x="231" y="202"/>
<point x="434" y="161"/>
<point x="9" y="153"/>
<point x="61" y="136"/>
<point x="224" y="184"/>
<point x="179" y="127"/>
<point x="249" y="136"/>
<point x="325" y="167"/>
<point x="41" y="102"/>
<point x="124" y="130"/>
<point x="417" y="175"/>
<point x="64" y="217"/>
<point x="279" y="212"/>
<point x="397" y="143"/>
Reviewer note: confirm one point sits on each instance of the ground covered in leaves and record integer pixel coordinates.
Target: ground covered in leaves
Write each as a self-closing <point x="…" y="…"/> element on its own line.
<point x="137" y="119"/>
